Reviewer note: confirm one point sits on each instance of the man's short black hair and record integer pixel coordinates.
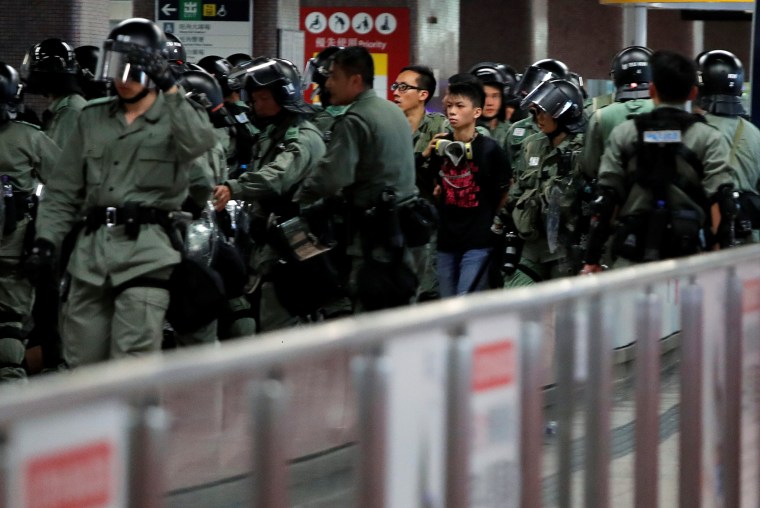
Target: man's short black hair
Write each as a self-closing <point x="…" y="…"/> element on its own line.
<point x="425" y="79"/>
<point x="356" y="60"/>
<point x="673" y="75"/>
<point x="472" y="90"/>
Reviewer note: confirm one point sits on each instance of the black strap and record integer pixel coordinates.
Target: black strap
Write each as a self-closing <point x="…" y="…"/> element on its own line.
<point x="7" y="316"/>
<point x="141" y="282"/>
<point x="530" y="273"/>
<point x="10" y="332"/>
<point x="11" y="365"/>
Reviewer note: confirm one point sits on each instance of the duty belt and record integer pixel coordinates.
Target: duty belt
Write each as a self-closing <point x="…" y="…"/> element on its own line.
<point x="111" y="216"/>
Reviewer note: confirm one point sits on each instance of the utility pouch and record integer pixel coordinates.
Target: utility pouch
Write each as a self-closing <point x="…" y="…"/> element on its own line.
<point x="419" y="220"/>
<point x="628" y="241"/>
<point x="305" y="278"/>
<point x="132" y="219"/>
<point x="749" y="214"/>
<point x="657" y="224"/>
<point x="685" y="235"/>
<point x="527" y="215"/>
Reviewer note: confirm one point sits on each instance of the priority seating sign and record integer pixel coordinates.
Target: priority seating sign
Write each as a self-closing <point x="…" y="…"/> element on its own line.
<point x="76" y="459"/>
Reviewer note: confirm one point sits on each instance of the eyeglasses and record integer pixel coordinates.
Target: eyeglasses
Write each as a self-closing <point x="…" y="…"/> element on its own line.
<point x="403" y="87"/>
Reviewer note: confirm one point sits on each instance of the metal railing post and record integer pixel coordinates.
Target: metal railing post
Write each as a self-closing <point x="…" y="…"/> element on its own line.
<point x="565" y="362"/>
<point x="690" y="424"/>
<point x="147" y="458"/>
<point x="598" y="389"/>
<point x="648" y="328"/>
<point x="531" y="409"/>
<point x="270" y="437"/>
<point x="458" y="422"/>
<point x="732" y="428"/>
<point x="371" y="375"/>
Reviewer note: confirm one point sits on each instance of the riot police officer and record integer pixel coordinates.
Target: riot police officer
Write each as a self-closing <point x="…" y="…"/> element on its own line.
<point x="242" y="132"/>
<point x="496" y="83"/>
<point x="125" y="170"/>
<point x="721" y="80"/>
<point x="87" y="58"/>
<point x="316" y="73"/>
<point x="370" y="161"/>
<point x="519" y="131"/>
<point x="51" y="69"/>
<point x="289" y="148"/>
<point x="665" y="175"/>
<point x="544" y="193"/>
<point x="26" y="155"/>
<point x="631" y="75"/>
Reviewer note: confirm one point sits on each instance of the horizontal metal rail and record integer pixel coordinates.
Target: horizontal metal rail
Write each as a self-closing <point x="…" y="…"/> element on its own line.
<point x="135" y="377"/>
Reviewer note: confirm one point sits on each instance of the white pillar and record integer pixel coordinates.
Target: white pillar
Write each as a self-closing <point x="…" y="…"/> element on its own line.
<point x="539" y="14"/>
<point x="634" y="25"/>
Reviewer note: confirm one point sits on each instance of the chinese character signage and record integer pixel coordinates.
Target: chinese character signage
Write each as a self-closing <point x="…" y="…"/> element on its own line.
<point x="208" y="27"/>
<point x="383" y="31"/>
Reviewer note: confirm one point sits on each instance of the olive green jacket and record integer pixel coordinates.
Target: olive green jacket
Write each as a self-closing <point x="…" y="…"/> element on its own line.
<point x="600" y="126"/>
<point x="371" y="149"/>
<point x="26" y="154"/>
<point x="518" y="133"/>
<point x="108" y="163"/>
<point x="65" y="111"/>
<point x="618" y="167"/>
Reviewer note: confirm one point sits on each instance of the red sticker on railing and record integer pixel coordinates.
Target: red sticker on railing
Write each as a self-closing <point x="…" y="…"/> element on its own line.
<point x="493" y="365"/>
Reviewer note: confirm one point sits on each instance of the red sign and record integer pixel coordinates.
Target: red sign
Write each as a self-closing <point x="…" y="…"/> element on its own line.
<point x="493" y="366"/>
<point x="74" y="478"/>
<point x="383" y="31"/>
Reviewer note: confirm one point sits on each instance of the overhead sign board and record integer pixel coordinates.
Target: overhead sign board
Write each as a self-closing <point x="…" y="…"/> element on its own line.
<point x="208" y="27"/>
<point x="384" y="31"/>
<point x="727" y="5"/>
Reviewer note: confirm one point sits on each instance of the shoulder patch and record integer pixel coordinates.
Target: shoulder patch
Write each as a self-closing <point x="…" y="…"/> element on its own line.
<point x="292" y="133"/>
<point x="519" y="132"/>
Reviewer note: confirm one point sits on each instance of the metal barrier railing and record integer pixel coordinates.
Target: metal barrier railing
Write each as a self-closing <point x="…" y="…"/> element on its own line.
<point x="448" y="397"/>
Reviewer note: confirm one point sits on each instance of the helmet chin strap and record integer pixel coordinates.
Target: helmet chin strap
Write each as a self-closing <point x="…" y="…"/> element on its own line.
<point x="137" y="98"/>
<point x="556" y="132"/>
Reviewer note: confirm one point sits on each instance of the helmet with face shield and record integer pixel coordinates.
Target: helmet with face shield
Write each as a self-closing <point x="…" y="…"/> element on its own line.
<point x="562" y="100"/>
<point x="316" y="72"/>
<point x="128" y="36"/>
<point x="278" y="75"/>
<point x="540" y="71"/>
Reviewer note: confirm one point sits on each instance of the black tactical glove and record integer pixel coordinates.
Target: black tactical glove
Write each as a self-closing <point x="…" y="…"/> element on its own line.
<point x="155" y="65"/>
<point x="39" y="267"/>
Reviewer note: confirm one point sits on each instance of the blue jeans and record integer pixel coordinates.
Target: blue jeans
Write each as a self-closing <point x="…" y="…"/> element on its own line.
<point x="458" y="270"/>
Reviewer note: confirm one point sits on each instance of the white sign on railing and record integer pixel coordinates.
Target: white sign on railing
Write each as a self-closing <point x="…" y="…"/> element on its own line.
<point x="495" y="459"/>
<point x="73" y="459"/>
<point x="417" y="416"/>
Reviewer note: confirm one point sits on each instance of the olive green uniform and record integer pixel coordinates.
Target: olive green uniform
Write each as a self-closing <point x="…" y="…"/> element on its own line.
<point x="426" y="257"/>
<point x="284" y="155"/>
<point x="63" y="112"/>
<point x="371" y="149"/>
<point x="707" y="143"/>
<point x="546" y="185"/>
<point x="108" y="163"/>
<point x="324" y="119"/>
<point x="744" y="141"/>
<point x="500" y="133"/>
<point x="518" y="133"/>
<point x="26" y="154"/>
<point x="600" y="126"/>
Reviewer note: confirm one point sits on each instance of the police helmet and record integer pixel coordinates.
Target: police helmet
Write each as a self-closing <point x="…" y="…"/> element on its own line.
<point x="236" y="59"/>
<point x="50" y="67"/>
<point x="316" y="71"/>
<point x="540" y="71"/>
<point x="562" y="100"/>
<point x="721" y="80"/>
<point x="9" y="91"/>
<point x="631" y="73"/>
<point x="130" y="34"/>
<point x="87" y="57"/>
<point x="281" y="77"/>
<point x="498" y="74"/>
<point x="221" y="69"/>
<point x="577" y="80"/>
<point x="203" y="89"/>
<point x="175" y="50"/>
